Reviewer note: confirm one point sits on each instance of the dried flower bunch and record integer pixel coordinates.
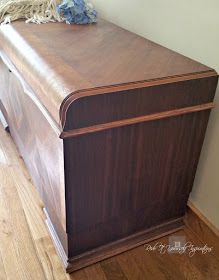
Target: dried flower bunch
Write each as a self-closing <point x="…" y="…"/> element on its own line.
<point x="77" y="11"/>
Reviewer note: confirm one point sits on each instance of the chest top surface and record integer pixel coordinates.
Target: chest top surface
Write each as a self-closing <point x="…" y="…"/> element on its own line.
<point x="59" y="60"/>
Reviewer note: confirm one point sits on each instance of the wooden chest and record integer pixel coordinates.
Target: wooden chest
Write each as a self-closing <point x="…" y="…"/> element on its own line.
<point x="110" y="126"/>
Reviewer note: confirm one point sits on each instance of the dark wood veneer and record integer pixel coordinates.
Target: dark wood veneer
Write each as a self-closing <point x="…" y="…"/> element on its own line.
<point x="110" y="129"/>
<point x="128" y="192"/>
<point x="103" y="108"/>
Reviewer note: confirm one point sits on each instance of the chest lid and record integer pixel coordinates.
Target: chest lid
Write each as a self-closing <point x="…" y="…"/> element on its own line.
<point x="60" y="60"/>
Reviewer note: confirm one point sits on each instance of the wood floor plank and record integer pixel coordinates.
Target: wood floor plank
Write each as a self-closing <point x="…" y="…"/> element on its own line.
<point x="16" y="244"/>
<point x="31" y="204"/>
<point x="182" y="261"/>
<point x="95" y="272"/>
<point x="135" y="267"/>
<point x="163" y="264"/>
<point x="147" y="263"/>
<point x="50" y="261"/>
<point x="197" y="266"/>
<point x="3" y="275"/>
<point x="78" y="275"/>
<point x="7" y="250"/>
<point x="112" y="270"/>
<point x="89" y="273"/>
<point x="207" y="264"/>
<point x="202" y="231"/>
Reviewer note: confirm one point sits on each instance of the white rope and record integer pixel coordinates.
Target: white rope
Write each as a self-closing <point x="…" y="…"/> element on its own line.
<point x="36" y="11"/>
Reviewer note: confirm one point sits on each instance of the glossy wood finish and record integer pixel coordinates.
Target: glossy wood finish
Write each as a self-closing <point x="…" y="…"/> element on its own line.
<point x="27" y="252"/>
<point x="137" y="120"/>
<point x="71" y="60"/>
<point x="122" y="192"/>
<point x="121" y="105"/>
<point x="132" y="116"/>
<point x="115" y="248"/>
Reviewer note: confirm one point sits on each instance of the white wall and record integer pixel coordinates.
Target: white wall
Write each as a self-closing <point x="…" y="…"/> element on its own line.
<point x="190" y="27"/>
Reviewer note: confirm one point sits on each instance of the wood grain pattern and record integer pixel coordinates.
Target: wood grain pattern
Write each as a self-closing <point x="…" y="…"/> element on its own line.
<point x="139" y="111"/>
<point x="174" y="264"/>
<point x="121" y="245"/>
<point x="113" y="270"/>
<point x="210" y="270"/>
<point x="18" y="250"/>
<point x="26" y="89"/>
<point x="136" y="264"/>
<point x="38" y="144"/>
<point x="139" y="264"/>
<point x="132" y="103"/>
<point x="126" y="189"/>
<point x="26" y="249"/>
<point x="79" y="69"/>
<point x="127" y="122"/>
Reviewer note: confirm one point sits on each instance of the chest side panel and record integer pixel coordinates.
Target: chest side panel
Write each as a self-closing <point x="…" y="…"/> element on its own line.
<point x="38" y="143"/>
<point x="128" y="179"/>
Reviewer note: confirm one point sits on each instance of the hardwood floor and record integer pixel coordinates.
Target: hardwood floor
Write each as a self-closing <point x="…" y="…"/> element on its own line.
<point x="27" y="252"/>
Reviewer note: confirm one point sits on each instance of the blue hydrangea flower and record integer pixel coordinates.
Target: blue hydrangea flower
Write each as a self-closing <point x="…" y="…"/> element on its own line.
<point x="77" y="12"/>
